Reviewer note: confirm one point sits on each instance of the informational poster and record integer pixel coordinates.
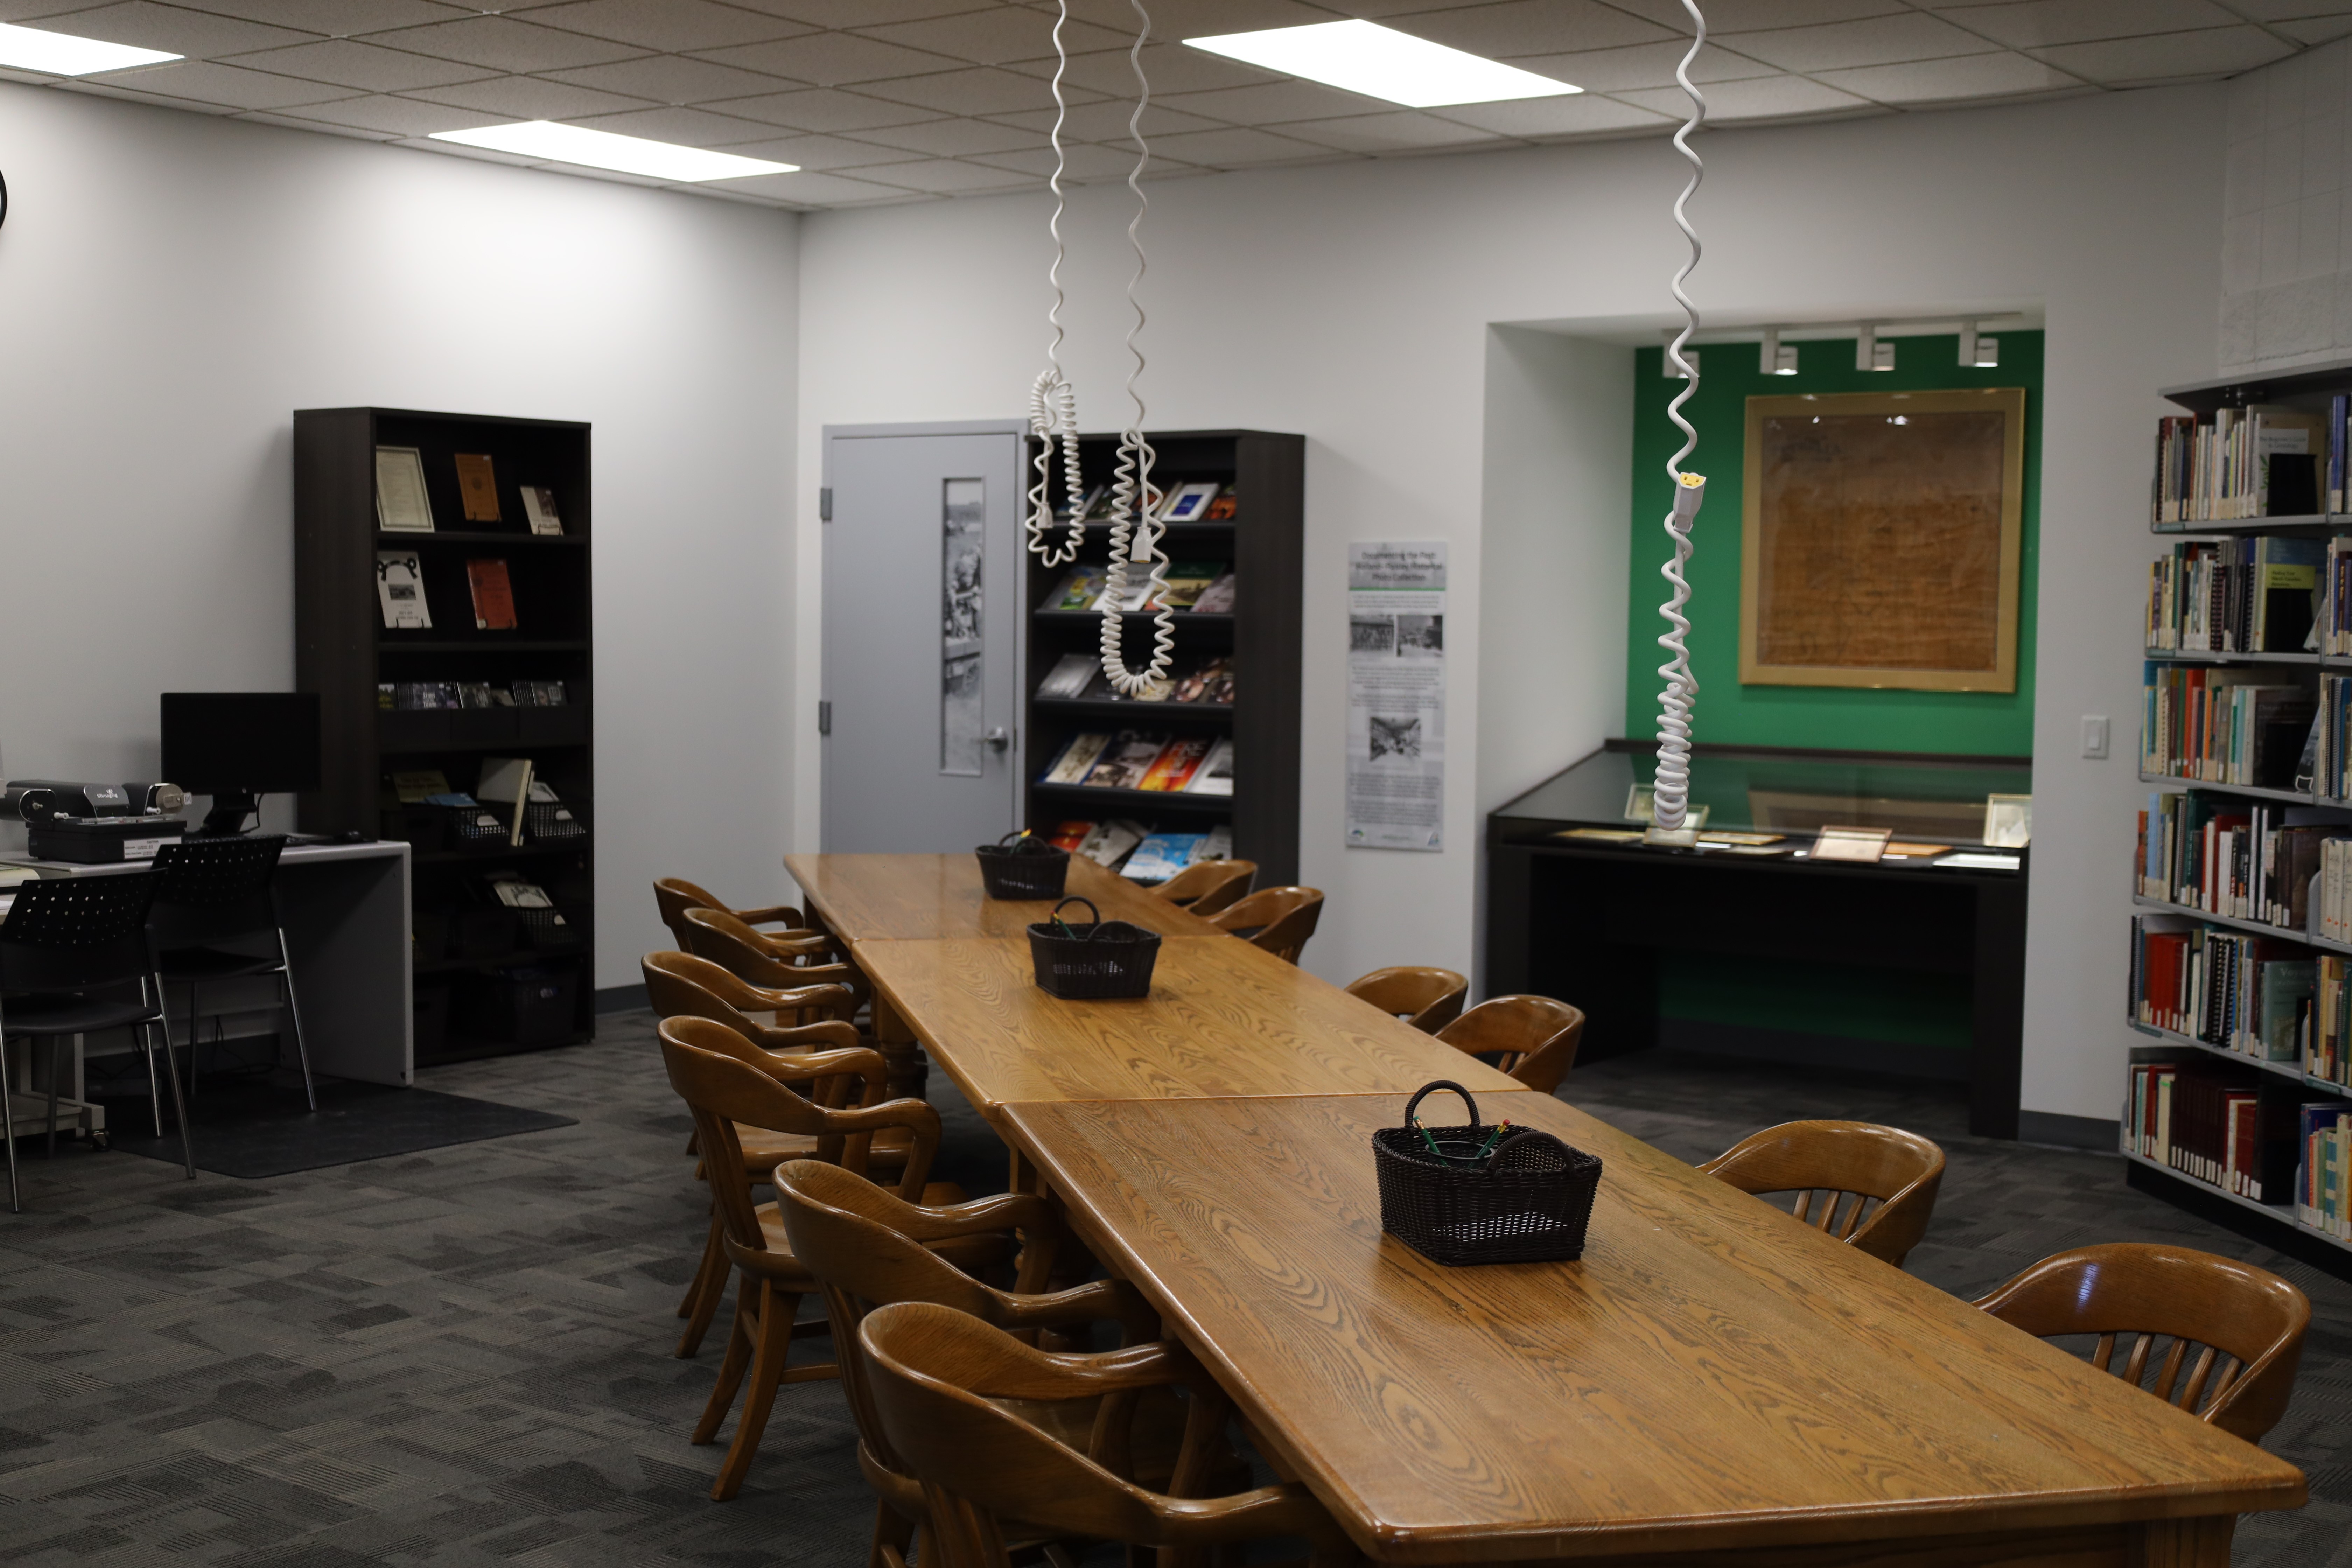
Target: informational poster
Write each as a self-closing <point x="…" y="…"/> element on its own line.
<point x="1396" y="696"/>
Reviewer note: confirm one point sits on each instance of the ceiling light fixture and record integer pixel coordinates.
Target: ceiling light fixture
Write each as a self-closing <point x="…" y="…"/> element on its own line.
<point x="1381" y="62"/>
<point x="607" y="149"/>
<point x="62" y="54"/>
<point x="1869" y="353"/>
<point x="1779" y="358"/>
<point x="1978" y="352"/>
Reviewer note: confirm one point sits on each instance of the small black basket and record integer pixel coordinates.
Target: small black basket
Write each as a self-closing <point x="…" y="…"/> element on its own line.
<point x="1028" y="867"/>
<point x="1107" y="961"/>
<point x="472" y="830"/>
<point x="1482" y="1194"/>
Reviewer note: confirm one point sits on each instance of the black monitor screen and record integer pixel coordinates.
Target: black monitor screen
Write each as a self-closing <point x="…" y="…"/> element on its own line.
<point x="258" y="742"/>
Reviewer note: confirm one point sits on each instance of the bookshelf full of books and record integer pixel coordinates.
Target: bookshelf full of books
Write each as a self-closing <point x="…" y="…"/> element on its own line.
<point x="443" y="615"/>
<point x="1208" y="768"/>
<point x="2238" y="1102"/>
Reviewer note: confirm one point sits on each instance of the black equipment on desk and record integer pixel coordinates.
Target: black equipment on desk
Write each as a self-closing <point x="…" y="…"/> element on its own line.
<point x="101" y="841"/>
<point x="238" y="746"/>
<point x="47" y="800"/>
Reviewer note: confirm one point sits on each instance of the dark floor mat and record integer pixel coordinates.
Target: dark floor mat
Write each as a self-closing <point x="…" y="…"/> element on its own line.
<point x="264" y="1127"/>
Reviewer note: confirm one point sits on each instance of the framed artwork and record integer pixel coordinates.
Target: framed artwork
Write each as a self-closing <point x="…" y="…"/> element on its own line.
<point x="1880" y="539"/>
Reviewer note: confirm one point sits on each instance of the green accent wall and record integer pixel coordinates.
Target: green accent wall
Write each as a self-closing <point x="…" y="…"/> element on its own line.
<point x="1727" y="713"/>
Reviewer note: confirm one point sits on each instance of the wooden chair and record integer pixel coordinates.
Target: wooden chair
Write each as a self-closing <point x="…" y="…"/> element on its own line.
<point x="2246" y="1325"/>
<point x="1207" y="886"/>
<point x="868" y="1248"/>
<point x="935" y="1373"/>
<point x="680" y="985"/>
<point x="1428" y="999"/>
<point x="1838" y="1171"/>
<point x="676" y="894"/>
<point x="773" y="962"/>
<point x="705" y="1067"/>
<point x="1533" y="1036"/>
<point x="1278" y="919"/>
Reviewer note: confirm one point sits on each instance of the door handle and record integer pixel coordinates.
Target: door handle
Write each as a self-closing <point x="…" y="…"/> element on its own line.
<point x="999" y="738"/>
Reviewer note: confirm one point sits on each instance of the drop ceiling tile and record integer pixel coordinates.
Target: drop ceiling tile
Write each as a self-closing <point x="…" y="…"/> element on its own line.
<point x="859" y="13"/>
<point x="673" y="26"/>
<point x="820" y="151"/>
<point x="1087" y="164"/>
<point x="105" y="88"/>
<point x="947" y="176"/>
<point x="1236" y="147"/>
<point x="317" y="127"/>
<point x="673" y="78"/>
<point x="501" y="42"/>
<point x="960" y="138"/>
<point x="685" y="127"/>
<point x="1728" y="16"/>
<point x="1876" y="41"/>
<point x="1533" y="27"/>
<point x="1172" y="68"/>
<point x="1272" y="102"/>
<point x="179" y="30"/>
<point x="820" y="109"/>
<point x="30" y="12"/>
<point x="1403" y="132"/>
<point x="1201" y="18"/>
<point x="831" y="60"/>
<point x="1106" y="120"/>
<point x="459" y="150"/>
<point x="1542" y="118"/>
<point x="338" y="18"/>
<point x="347" y="62"/>
<point x="2208" y="52"/>
<point x="206" y="82"/>
<point x="2316" y="29"/>
<point x="397" y="116"/>
<point x="1000" y="34"/>
<point x="983" y="89"/>
<point x="2031" y="24"/>
<point x="1768" y="98"/>
<point x="2000" y="75"/>
<point x="815" y="190"/>
<point x="529" y="98"/>
<point x="2283" y="10"/>
<point x="1642" y="65"/>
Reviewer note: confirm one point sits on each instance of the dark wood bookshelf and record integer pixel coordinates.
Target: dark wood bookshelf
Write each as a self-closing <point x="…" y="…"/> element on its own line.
<point x="1265" y="546"/>
<point x="342" y="652"/>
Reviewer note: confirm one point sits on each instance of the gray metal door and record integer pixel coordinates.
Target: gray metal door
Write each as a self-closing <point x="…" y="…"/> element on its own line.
<point x="922" y="635"/>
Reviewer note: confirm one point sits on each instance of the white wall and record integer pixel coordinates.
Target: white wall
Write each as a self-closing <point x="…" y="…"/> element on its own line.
<point x="174" y="286"/>
<point x="1352" y="303"/>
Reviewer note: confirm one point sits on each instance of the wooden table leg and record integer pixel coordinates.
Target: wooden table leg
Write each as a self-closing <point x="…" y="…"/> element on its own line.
<point x="2183" y="1543"/>
<point x="900" y="1054"/>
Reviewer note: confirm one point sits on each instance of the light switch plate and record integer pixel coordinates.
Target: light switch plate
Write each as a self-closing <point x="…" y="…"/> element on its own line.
<point x="2095" y="734"/>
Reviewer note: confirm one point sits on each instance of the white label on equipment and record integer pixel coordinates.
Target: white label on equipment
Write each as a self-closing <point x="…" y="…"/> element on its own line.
<point x="141" y="848"/>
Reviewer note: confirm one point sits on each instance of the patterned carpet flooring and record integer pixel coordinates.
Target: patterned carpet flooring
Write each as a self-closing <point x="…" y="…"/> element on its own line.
<point x="462" y="1357"/>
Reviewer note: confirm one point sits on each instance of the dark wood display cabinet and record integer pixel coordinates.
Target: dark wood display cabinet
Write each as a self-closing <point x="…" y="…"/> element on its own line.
<point x="489" y="978"/>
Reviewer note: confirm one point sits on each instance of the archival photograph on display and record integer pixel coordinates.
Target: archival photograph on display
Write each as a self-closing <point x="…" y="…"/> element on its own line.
<point x="1396" y="696"/>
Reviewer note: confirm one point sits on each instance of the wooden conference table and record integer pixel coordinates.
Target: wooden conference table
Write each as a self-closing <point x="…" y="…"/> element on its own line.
<point x="1714" y="1382"/>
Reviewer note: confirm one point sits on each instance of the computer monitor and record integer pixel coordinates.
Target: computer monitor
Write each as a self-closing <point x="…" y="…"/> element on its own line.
<point x="237" y="746"/>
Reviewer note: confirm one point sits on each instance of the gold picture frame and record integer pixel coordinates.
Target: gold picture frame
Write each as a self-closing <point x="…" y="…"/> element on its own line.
<point x="1927" y="489"/>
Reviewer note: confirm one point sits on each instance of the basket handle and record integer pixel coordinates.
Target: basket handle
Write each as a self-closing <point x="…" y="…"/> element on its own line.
<point x="1413" y="1105"/>
<point x="1073" y="898"/>
<point x="1016" y="833"/>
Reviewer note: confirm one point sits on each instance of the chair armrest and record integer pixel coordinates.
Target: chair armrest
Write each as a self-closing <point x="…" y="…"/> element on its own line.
<point x="774" y="914"/>
<point x="1286" y="1509"/>
<point x="1095" y="1301"/>
<point x="788" y="998"/>
<point x="832" y="1034"/>
<point x="1005" y="1211"/>
<point x="862" y="1062"/>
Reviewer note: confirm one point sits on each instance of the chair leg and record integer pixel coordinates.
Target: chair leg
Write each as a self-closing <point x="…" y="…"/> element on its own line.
<point x="8" y="1124"/>
<point x="730" y="1369"/>
<point x="710" y="1287"/>
<point x="894" y="1538"/>
<point x="192" y="1040"/>
<point x="179" y="1104"/>
<point x="154" y="1089"/>
<point x="294" y="1011"/>
<point x="50" y="1152"/>
<point x="777" y="1309"/>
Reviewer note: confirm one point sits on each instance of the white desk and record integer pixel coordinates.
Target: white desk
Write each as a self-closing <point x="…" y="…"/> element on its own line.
<point x="347" y="937"/>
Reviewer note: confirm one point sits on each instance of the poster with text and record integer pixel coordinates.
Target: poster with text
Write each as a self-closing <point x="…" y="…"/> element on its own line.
<point x="1396" y="696"/>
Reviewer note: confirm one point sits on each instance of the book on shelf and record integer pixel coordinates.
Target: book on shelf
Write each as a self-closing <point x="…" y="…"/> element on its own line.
<point x="539" y="511"/>
<point x="1215" y="773"/>
<point x="1162" y="856"/>
<point x="1126" y="761"/>
<point x="1079" y="588"/>
<point x="1075" y="759"/>
<point x="1226" y="506"/>
<point x="1188" y="580"/>
<point x="2254" y="995"/>
<point x="1107" y="844"/>
<point x="414" y="787"/>
<point x="1217" y="598"/>
<point x="1070" y="676"/>
<point x="2207" y="1122"/>
<point x="2323" y="1050"/>
<point x="2249" y="860"/>
<point x="1082" y="507"/>
<point x="400" y="591"/>
<point x="2222" y="725"/>
<point x="2257" y="595"/>
<point x="1178" y="761"/>
<point x="1070" y="836"/>
<point x="477" y="487"/>
<point x="403" y="505"/>
<point x="541" y="694"/>
<point x="2257" y="460"/>
<point x="1189" y="502"/>
<point x="1208" y="680"/>
<point x="2323" y="1196"/>
<point x="494" y="609"/>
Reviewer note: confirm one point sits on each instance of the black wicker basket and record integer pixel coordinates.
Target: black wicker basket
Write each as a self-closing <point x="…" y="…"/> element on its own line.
<point x="1106" y="961"/>
<point x="1481" y="1193"/>
<point x="1028" y="867"/>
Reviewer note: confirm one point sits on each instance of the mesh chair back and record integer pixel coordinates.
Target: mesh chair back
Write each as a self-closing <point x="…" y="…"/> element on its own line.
<point x="64" y="933"/>
<point x="215" y="890"/>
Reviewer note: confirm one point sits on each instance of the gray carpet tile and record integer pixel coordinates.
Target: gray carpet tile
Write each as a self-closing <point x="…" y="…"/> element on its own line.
<point x="462" y="1356"/>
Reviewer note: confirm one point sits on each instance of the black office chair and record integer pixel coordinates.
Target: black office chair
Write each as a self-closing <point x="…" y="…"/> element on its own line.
<point x="68" y="950"/>
<point x="215" y="918"/>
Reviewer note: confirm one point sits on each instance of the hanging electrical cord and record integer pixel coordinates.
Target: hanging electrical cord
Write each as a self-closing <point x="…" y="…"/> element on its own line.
<point x="1136" y="530"/>
<point x="1671" y="790"/>
<point x="1052" y="401"/>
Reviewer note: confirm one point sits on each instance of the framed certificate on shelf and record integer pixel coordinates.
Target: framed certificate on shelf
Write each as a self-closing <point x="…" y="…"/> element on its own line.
<point x="401" y="505"/>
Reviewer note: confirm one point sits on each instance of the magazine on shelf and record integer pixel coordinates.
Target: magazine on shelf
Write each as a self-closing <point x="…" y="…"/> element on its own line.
<point x="1161" y="856"/>
<point x="1071" y="675"/>
<point x="1126" y="761"/>
<point x="1215" y="773"/>
<point x="400" y="591"/>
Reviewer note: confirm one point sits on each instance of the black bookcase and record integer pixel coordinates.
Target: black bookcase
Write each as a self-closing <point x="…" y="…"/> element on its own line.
<point x="487" y="983"/>
<point x="1264" y="542"/>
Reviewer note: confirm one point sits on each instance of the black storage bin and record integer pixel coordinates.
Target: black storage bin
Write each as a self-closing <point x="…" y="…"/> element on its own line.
<point x="543" y="931"/>
<point x="472" y="830"/>
<point x="481" y="933"/>
<point x="531" y="1006"/>
<point x="429" y="1018"/>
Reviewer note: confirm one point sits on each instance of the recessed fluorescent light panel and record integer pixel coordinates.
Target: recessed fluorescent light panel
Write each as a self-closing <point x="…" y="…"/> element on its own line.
<point x="605" y="150"/>
<point x="62" y="54"/>
<point x="1381" y="62"/>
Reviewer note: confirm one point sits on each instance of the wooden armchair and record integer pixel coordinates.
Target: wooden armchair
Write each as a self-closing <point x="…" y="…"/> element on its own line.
<point x="676" y="894"/>
<point x="2246" y="1325"/>
<point x="775" y="962"/>
<point x="1838" y="1171"/>
<point x="707" y="1067"/>
<point x="868" y="1248"/>
<point x="935" y="1371"/>
<point x="1278" y="919"/>
<point x="1428" y="999"/>
<point x="1207" y="886"/>
<point x="1534" y="1037"/>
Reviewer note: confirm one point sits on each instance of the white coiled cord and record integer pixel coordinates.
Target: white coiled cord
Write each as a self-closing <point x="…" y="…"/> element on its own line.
<point x="1136" y="530"/>
<point x="1672" y="788"/>
<point x="1052" y="401"/>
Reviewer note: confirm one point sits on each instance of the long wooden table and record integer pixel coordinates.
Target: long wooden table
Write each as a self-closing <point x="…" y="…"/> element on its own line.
<point x="1714" y="1382"/>
<point x="867" y="898"/>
